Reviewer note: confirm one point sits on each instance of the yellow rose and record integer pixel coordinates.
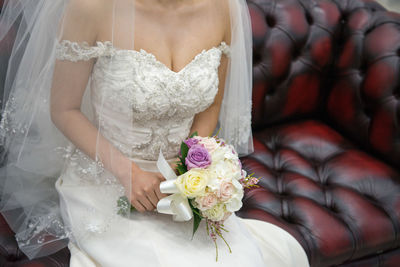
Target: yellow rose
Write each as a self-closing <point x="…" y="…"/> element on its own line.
<point x="193" y="183"/>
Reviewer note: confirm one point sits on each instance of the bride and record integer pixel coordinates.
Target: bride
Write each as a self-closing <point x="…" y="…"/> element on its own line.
<point x="95" y="90"/>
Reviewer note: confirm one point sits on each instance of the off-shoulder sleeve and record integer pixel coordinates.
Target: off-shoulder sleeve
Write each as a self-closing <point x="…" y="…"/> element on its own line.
<point x="225" y="49"/>
<point x="74" y="51"/>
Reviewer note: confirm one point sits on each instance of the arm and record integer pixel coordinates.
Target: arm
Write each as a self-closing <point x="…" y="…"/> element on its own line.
<point x="69" y="83"/>
<point x="205" y="122"/>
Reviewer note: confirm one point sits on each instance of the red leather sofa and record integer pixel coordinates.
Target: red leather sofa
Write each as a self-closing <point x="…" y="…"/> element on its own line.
<point x="326" y="123"/>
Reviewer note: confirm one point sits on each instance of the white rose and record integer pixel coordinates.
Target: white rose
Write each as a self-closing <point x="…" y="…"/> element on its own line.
<point x="230" y="153"/>
<point x="214" y="183"/>
<point x="219" y="153"/>
<point x="225" y="170"/>
<point x="216" y="213"/>
<point x="235" y="202"/>
<point x="218" y="168"/>
<point x="233" y="169"/>
<point x="238" y="186"/>
<point x="218" y="173"/>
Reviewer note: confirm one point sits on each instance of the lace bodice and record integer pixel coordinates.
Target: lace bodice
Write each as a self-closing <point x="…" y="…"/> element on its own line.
<point x="140" y="104"/>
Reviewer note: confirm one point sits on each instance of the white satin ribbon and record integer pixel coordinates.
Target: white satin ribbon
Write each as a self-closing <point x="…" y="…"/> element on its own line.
<point x="175" y="204"/>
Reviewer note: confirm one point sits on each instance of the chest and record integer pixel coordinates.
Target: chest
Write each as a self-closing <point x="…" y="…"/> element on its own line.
<point x="137" y="81"/>
<point x="173" y="35"/>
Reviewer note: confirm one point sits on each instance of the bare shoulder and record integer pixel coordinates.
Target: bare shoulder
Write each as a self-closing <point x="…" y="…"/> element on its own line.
<point x="83" y="17"/>
<point x="224" y="9"/>
<point x="87" y="11"/>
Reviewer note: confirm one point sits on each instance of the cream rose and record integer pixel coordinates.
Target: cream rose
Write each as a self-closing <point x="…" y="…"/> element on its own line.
<point x="193" y="183"/>
<point x="216" y="213"/>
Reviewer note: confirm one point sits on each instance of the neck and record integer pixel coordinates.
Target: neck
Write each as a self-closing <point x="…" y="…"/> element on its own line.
<point x="168" y="4"/>
<point x="174" y="3"/>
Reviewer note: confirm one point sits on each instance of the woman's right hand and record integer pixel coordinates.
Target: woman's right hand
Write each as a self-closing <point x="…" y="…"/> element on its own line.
<point x="143" y="188"/>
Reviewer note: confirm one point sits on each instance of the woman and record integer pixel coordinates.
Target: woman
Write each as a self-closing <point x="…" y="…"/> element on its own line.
<point x="124" y="80"/>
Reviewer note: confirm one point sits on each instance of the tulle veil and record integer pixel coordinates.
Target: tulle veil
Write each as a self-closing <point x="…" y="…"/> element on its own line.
<point x="34" y="150"/>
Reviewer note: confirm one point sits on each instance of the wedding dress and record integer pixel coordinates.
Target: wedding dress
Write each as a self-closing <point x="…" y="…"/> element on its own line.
<point x="158" y="105"/>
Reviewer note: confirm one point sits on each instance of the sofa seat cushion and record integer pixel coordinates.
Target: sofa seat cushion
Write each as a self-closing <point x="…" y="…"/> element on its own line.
<point x="11" y="256"/>
<point x="58" y="259"/>
<point x="340" y="203"/>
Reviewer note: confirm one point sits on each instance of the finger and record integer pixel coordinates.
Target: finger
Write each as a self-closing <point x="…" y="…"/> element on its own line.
<point x="146" y="203"/>
<point x="159" y="194"/>
<point x="138" y="206"/>
<point x="160" y="176"/>
<point x="152" y="197"/>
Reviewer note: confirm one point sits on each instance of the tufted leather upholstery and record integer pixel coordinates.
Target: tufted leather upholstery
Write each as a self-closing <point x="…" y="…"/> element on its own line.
<point x="324" y="191"/>
<point x="365" y="98"/>
<point x="326" y="124"/>
<point x="293" y="50"/>
<point x="326" y="118"/>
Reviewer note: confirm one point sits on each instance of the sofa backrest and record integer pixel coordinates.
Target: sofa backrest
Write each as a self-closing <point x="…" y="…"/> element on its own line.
<point x="365" y="98"/>
<point x="293" y="48"/>
<point x="334" y="60"/>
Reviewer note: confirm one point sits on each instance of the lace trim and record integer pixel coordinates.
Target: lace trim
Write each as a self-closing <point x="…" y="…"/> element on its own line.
<point x="74" y="51"/>
<point x="43" y="229"/>
<point x="226" y="49"/>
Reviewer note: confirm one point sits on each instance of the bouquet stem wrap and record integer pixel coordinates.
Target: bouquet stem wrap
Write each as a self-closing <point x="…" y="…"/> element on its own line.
<point x="175" y="204"/>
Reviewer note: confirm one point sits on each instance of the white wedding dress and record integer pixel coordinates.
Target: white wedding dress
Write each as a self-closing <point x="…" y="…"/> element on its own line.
<point x="162" y="104"/>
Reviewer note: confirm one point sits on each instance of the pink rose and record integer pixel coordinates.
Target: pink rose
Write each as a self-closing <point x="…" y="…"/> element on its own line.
<point x="206" y="202"/>
<point x="226" y="191"/>
<point x="210" y="144"/>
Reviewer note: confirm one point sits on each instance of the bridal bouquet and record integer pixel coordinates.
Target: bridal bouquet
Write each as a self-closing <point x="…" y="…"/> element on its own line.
<point x="209" y="187"/>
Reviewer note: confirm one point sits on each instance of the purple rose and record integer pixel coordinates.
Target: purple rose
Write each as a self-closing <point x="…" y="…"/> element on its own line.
<point x="197" y="157"/>
<point x="191" y="142"/>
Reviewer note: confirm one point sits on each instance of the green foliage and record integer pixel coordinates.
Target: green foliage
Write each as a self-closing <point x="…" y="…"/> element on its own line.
<point x="196" y="217"/>
<point x="124" y="206"/>
<point x="184" y="152"/>
<point x="181" y="169"/>
<point x="193" y="134"/>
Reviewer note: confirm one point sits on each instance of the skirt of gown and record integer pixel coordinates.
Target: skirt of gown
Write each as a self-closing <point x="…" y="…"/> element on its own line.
<point x="155" y="240"/>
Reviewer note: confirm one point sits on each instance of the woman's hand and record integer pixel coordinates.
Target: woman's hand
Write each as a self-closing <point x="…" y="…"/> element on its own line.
<point x="143" y="188"/>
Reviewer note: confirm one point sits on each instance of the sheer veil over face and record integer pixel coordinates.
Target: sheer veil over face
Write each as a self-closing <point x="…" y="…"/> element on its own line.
<point x="35" y="151"/>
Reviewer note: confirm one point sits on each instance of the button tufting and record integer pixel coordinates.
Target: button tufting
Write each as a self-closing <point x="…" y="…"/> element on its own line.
<point x="284" y="194"/>
<point x="369" y="30"/>
<point x="334" y="209"/>
<point x="397" y="93"/>
<point x="309" y="18"/>
<point x="271" y="21"/>
<point x="368" y="112"/>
